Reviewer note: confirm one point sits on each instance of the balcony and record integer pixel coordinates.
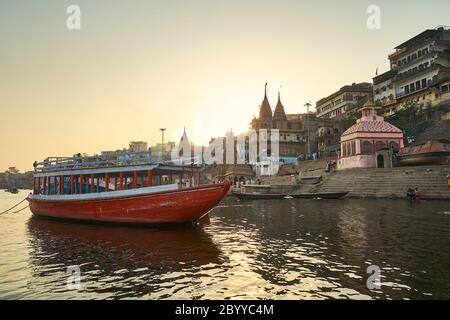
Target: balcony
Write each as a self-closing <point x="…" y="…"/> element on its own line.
<point x="412" y="73"/>
<point x="412" y="61"/>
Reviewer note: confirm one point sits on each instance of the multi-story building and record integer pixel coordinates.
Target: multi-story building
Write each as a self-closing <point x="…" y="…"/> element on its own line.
<point x="166" y="150"/>
<point x="419" y="71"/>
<point x="137" y="146"/>
<point x="384" y="88"/>
<point x="294" y="130"/>
<point x="339" y="103"/>
<point x="328" y="135"/>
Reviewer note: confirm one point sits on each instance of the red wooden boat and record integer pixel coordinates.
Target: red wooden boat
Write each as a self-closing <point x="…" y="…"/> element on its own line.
<point x="131" y="191"/>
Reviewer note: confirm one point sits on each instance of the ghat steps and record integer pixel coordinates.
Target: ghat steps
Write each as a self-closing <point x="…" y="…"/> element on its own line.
<point x="388" y="183"/>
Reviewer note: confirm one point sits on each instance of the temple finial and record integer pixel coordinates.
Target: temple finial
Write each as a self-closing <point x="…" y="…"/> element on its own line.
<point x="265" y="90"/>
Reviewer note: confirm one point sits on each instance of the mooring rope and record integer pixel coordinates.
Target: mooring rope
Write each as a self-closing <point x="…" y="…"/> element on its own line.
<point x="14" y="207"/>
<point x="20" y="209"/>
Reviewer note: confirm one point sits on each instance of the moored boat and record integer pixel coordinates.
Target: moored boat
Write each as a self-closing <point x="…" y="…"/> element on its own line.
<point x="431" y="153"/>
<point x="319" y="195"/>
<point x="316" y="195"/>
<point x="259" y="196"/>
<point x="125" y="191"/>
<point x="12" y="190"/>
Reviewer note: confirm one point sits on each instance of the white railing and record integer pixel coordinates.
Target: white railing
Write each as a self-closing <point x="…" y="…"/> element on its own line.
<point x="119" y="159"/>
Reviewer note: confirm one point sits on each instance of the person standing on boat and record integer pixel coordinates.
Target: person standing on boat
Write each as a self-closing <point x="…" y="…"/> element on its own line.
<point x="35" y="164"/>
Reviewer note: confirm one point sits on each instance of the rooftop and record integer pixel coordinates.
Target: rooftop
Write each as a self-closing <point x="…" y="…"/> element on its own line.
<point x="384" y="76"/>
<point x="423" y="36"/>
<point x="354" y="87"/>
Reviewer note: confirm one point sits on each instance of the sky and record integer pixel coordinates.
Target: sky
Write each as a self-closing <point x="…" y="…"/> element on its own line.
<point x="139" y="65"/>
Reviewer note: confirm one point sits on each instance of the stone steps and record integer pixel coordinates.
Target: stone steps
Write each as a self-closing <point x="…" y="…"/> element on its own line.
<point x="388" y="182"/>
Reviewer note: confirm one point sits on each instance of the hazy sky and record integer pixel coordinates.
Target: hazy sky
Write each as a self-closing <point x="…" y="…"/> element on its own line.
<point x="136" y="66"/>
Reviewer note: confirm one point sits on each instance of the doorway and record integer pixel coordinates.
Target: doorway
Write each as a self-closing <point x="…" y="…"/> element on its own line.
<point x="380" y="161"/>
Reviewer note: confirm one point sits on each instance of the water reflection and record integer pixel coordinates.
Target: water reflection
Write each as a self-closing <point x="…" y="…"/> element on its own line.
<point x="118" y="261"/>
<point x="288" y="249"/>
<point x="322" y="248"/>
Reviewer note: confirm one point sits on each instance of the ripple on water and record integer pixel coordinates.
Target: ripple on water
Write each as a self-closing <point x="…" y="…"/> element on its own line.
<point x="293" y="249"/>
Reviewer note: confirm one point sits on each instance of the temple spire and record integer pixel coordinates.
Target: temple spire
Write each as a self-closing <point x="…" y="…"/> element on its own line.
<point x="279" y="114"/>
<point x="265" y="112"/>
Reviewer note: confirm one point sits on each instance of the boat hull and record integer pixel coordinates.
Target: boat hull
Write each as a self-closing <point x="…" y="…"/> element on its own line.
<point x="173" y="206"/>
<point x="322" y="195"/>
<point x="429" y="158"/>
<point x="258" y="196"/>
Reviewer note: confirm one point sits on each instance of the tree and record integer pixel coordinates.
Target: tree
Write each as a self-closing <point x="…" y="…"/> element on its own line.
<point x="12" y="170"/>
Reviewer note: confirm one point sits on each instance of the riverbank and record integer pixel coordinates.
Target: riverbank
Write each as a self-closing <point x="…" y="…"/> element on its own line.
<point x="389" y="183"/>
<point x="17" y="180"/>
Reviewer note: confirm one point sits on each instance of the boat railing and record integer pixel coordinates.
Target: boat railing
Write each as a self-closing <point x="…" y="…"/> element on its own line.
<point x="83" y="162"/>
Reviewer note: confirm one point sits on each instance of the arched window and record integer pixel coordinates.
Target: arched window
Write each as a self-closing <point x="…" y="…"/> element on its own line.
<point x="366" y="147"/>
<point x="353" y="147"/>
<point x="379" y="145"/>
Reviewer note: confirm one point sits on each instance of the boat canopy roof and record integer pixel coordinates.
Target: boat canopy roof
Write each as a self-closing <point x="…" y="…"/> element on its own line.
<point x="120" y="162"/>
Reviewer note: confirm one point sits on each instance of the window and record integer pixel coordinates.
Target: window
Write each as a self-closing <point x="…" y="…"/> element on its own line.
<point x="366" y="147"/>
<point x="417" y="85"/>
<point x="411" y="87"/>
<point x="379" y="145"/>
<point x="406" y="89"/>
<point x="424" y="83"/>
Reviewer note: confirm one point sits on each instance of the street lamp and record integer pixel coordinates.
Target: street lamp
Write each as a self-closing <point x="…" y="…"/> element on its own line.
<point x="307" y="105"/>
<point x="162" y="141"/>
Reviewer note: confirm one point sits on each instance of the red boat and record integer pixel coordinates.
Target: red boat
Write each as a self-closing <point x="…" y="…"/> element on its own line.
<point x="127" y="190"/>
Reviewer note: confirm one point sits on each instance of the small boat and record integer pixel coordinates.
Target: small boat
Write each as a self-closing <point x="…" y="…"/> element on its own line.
<point x="12" y="190"/>
<point x="321" y="195"/>
<point x="431" y="153"/>
<point x="133" y="190"/>
<point x="259" y="196"/>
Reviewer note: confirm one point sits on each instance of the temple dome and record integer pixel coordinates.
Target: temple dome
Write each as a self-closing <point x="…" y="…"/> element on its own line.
<point x="372" y="126"/>
<point x="371" y="122"/>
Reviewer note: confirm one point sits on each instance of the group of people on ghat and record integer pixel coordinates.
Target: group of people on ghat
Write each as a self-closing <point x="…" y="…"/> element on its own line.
<point x="413" y="194"/>
<point x="330" y="166"/>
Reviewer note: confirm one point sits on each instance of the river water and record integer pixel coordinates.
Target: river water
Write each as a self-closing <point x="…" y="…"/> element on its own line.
<point x="271" y="249"/>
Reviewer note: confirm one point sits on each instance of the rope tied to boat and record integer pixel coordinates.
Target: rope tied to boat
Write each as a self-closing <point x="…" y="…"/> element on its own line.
<point x="14" y="206"/>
